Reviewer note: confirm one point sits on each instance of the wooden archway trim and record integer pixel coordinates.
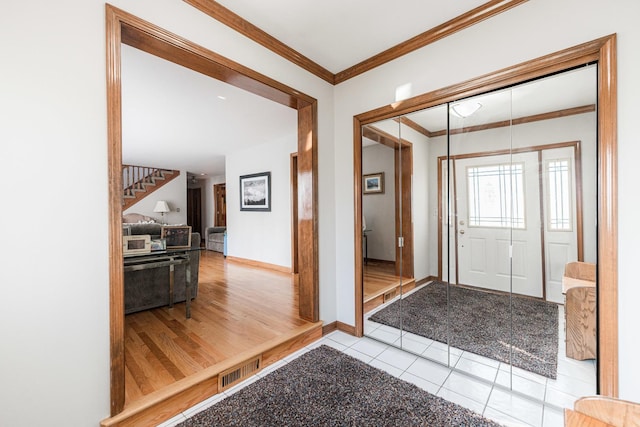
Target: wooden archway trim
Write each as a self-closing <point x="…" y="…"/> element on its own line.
<point x="122" y="27"/>
<point x="602" y="51"/>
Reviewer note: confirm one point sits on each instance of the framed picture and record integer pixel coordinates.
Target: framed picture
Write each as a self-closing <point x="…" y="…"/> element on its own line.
<point x="139" y="244"/>
<point x="255" y="192"/>
<point x="158" y="245"/>
<point x="373" y="183"/>
<point x="176" y="236"/>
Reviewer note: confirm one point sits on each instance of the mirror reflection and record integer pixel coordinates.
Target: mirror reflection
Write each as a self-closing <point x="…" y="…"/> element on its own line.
<point x="479" y="236"/>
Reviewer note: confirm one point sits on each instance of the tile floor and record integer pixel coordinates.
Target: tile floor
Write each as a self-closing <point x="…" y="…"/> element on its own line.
<point x="575" y="378"/>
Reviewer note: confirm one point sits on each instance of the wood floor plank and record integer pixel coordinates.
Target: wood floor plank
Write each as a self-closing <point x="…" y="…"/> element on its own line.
<point x="163" y="357"/>
<point x="380" y="278"/>
<point x="185" y="342"/>
<point x="238" y="307"/>
<point x="141" y="384"/>
<point x="133" y="392"/>
<point x="147" y="366"/>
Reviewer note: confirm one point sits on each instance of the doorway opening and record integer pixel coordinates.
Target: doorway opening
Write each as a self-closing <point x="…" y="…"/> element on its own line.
<point x="124" y="28"/>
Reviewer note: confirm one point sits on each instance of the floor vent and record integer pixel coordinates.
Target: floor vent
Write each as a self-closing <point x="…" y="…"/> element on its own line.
<point x="238" y="373"/>
<point x="389" y="295"/>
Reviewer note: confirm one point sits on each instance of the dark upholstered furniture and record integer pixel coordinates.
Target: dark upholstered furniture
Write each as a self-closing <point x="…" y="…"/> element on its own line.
<point x="214" y="238"/>
<point x="148" y="289"/>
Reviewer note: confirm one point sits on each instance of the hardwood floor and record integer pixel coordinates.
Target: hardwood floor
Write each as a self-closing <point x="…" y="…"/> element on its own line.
<point x="238" y="307"/>
<point x="381" y="283"/>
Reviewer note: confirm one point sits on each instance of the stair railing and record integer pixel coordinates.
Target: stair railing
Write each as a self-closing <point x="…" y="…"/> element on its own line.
<point x="133" y="177"/>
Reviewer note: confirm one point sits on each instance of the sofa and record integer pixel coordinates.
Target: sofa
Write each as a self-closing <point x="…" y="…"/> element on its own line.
<point x="214" y="238"/>
<point x="146" y="289"/>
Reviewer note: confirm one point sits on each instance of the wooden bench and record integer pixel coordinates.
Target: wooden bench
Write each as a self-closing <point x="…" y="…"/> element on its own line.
<point x="579" y="286"/>
<point x="599" y="411"/>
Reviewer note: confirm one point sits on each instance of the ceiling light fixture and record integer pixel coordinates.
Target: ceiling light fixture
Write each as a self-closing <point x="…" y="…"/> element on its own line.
<point x="465" y="109"/>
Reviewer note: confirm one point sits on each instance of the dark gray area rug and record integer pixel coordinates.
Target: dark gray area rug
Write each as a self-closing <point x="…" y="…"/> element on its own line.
<point x="480" y="323"/>
<point x="325" y="387"/>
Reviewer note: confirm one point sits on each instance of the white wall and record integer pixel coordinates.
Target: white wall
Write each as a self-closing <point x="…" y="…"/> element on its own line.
<point x="174" y="193"/>
<point x="379" y="208"/>
<point x="528" y="31"/>
<point x="53" y="128"/>
<point x="55" y="331"/>
<point x="261" y="236"/>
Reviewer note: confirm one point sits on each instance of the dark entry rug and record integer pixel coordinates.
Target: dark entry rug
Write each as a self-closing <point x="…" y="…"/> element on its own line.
<point x="326" y="387"/>
<point x="479" y="323"/>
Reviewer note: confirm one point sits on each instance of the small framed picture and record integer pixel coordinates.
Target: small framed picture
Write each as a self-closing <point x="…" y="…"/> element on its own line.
<point x="373" y="183"/>
<point x="255" y="192"/>
<point x="158" y="244"/>
<point x="138" y="244"/>
<point x="176" y="236"/>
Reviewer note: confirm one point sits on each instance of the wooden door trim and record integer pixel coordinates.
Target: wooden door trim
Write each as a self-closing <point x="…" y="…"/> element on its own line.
<point x="123" y="27"/>
<point x="293" y="161"/>
<point x="602" y="51"/>
<point x="404" y="227"/>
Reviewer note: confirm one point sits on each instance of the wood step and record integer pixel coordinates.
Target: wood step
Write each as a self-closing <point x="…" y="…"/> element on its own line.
<point x="164" y="404"/>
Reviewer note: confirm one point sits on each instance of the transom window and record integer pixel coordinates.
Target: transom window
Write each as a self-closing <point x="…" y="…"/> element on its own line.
<point x="496" y="196"/>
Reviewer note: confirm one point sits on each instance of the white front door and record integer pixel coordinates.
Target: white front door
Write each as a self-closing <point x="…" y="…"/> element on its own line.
<point x="497" y="226"/>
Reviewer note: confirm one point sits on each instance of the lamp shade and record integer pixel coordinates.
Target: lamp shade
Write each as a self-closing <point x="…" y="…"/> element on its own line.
<point x="161" y="206"/>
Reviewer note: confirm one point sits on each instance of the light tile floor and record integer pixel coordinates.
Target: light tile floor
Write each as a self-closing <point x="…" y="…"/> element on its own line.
<point x="575" y="378"/>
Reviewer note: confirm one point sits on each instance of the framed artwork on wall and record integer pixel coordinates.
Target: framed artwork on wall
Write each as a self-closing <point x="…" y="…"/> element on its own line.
<point x="176" y="236"/>
<point x="255" y="192"/>
<point x="373" y="183"/>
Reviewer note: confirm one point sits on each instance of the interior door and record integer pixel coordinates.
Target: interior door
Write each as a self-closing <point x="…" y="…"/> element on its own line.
<point x="498" y="223"/>
<point x="220" y="196"/>
<point x="194" y="209"/>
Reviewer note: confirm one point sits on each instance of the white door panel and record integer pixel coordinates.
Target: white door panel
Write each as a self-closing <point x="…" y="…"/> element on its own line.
<point x="478" y="252"/>
<point x="490" y="252"/>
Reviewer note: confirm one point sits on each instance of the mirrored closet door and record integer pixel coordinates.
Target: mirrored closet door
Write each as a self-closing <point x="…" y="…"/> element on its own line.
<point x="479" y="232"/>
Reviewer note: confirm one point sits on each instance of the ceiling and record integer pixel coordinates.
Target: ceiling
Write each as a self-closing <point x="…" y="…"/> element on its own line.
<point x="174" y="117"/>
<point x="338" y="34"/>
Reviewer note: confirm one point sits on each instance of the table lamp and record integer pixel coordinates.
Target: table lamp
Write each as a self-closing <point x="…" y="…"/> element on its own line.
<point x="162" y="207"/>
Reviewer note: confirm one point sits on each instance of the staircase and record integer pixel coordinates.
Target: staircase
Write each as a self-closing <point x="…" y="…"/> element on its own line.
<point x="140" y="181"/>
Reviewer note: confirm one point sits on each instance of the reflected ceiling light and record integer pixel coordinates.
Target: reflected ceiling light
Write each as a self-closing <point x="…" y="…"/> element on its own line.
<point x="222" y="97"/>
<point x="465" y="109"/>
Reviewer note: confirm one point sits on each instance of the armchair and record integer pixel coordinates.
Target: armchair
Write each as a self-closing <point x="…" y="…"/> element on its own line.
<point x="214" y="238"/>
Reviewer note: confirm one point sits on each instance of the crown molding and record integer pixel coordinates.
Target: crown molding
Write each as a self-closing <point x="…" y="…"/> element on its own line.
<point x="480" y="13"/>
<point x="246" y="28"/>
